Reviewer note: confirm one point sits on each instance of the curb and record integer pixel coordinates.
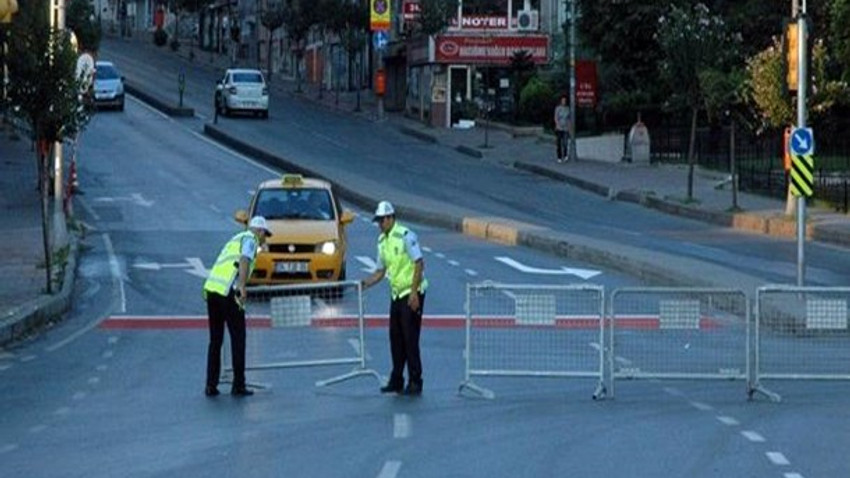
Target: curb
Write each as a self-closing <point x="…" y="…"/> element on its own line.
<point x="158" y="103"/>
<point x="44" y="309"/>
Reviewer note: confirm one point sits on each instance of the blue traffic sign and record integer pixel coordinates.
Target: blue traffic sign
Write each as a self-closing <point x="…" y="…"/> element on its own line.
<point x="802" y="141"/>
<point x="380" y="39"/>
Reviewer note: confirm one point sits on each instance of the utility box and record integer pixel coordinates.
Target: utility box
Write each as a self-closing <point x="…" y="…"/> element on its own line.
<point x="639" y="143"/>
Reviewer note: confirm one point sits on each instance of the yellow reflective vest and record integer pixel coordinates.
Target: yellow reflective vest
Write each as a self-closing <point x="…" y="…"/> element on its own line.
<point x="226" y="266"/>
<point x="399" y="265"/>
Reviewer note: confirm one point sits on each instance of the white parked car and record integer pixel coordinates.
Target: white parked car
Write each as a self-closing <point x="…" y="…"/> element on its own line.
<point x="242" y="90"/>
<point x="108" y="86"/>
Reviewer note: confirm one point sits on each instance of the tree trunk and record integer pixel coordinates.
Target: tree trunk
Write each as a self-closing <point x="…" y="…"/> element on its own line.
<point x="269" y="57"/>
<point x="45" y="217"/>
<point x="691" y="155"/>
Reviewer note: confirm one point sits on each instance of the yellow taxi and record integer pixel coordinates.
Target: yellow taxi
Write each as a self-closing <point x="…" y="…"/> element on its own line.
<point x="308" y="231"/>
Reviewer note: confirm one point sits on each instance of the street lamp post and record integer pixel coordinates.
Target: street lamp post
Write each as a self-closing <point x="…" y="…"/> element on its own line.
<point x="572" y="141"/>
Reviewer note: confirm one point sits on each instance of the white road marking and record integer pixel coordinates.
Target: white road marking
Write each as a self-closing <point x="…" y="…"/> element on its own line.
<point x="622" y="360"/>
<point x="90" y="212"/>
<point x="6" y="355"/>
<point x="101" y="368"/>
<point x="5" y="366"/>
<point x="107" y="354"/>
<point x="113" y="340"/>
<point x="702" y="406"/>
<point x="9" y="447"/>
<point x="401" y="425"/>
<point x="440" y="255"/>
<point x="369" y="264"/>
<point x="94" y="380"/>
<point x="215" y="208"/>
<point x="115" y="268"/>
<point x="728" y="421"/>
<point x="79" y="395"/>
<point x="426" y="249"/>
<point x="67" y="340"/>
<point x="595" y="346"/>
<point x="28" y="358"/>
<point x="234" y="153"/>
<point x="454" y="263"/>
<point x="777" y="458"/>
<point x="793" y="475"/>
<point x="61" y="411"/>
<point x="581" y="273"/>
<point x="752" y="436"/>
<point x="390" y="469"/>
<point x="37" y="428"/>
<point x="470" y="272"/>
<point x="674" y="391"/>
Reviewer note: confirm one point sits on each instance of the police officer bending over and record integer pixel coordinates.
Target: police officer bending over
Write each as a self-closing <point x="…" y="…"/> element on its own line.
<point x="400" y="260"/>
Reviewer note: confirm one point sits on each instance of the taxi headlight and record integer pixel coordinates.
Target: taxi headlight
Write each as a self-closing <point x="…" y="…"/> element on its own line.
<point x="328" y="248"/>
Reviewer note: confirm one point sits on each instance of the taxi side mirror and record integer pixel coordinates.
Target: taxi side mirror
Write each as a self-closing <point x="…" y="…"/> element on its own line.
<point x="241" y="217"/>
<point x="347" y="217"/>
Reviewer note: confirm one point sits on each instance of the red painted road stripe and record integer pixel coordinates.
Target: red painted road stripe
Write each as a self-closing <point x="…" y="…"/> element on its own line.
<point x="131" y="322"/>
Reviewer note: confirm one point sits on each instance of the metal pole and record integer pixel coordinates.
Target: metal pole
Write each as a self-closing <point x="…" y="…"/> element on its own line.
<point x="57" y="20"/>
<point x="572" y="152"/>
<point x="732" y="166"/>
<point x="801" y="123"/>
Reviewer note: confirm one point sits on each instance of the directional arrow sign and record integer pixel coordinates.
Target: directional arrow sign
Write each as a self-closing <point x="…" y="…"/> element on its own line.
<point x="582" y="273"/>
<point x="802" y="141"/>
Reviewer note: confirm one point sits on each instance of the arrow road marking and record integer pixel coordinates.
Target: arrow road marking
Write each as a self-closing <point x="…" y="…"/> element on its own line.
<point x="581" y="273"/>
<point x="369" y="264"/>
<point x="193" y="266"/>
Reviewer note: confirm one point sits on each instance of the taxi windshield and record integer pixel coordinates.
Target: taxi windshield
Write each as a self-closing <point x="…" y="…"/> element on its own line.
<point x="303" y="203"/>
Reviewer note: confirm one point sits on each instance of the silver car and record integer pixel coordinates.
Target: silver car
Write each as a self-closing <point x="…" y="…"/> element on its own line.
<point x="108" y="86"/>
<point x="242" y="90"/>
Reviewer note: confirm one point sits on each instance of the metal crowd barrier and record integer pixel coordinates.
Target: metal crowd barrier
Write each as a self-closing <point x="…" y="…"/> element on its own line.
<point x="678" y="333"/>
<point x="309" y="325"/>
<point x="533" y="331"/>
<point x="801" y="334"/>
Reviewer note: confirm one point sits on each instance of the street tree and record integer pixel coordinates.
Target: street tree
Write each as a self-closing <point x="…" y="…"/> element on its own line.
<point x="80" y="18"/>
<point x="45" y="93"/>
<point x="692" y="41"/>
<point x="299" y="16"/>
<point x="355" y="23"/>
<point x="839" y="36"/>
<point x="272" y="19"/>
<point x="434" y="16"/>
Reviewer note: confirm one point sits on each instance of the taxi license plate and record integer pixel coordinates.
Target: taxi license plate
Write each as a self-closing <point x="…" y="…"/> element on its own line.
<point x="290" y="267"/>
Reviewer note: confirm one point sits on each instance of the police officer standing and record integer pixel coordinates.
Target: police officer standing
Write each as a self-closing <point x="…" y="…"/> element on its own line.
<point x="226" y="296"/>
<point x="400" y="260"/>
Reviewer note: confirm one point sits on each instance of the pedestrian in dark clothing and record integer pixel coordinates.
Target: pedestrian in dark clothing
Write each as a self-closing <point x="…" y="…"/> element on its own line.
<point x="562" y="129"/>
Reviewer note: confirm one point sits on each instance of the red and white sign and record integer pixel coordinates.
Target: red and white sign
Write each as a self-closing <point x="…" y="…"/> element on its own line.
<point x="587" y="89"/>
<point x="410" y="10"/>
<point x="495" y="50"/>
<point x="480" y="22"/>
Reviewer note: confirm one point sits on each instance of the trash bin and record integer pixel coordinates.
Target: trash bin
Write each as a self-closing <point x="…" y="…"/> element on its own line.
<point x="639" y="142"/>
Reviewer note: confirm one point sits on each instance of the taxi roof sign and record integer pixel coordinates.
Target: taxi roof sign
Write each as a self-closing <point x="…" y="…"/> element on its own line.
<point x="292" y="180"/>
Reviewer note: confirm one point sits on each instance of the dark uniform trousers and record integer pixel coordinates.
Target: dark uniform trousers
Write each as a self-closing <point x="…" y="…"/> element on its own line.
<point x="405" y="326"/>
<point x="224" y="310"/>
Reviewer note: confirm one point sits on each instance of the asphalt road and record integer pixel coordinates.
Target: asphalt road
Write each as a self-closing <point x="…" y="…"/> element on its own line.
<point x="88" y="400"/>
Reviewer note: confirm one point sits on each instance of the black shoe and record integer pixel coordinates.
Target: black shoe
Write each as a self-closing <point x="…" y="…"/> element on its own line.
<point x="211" y="392"/>
<point x="241" y="392"/>
<point x="392" y="388"/>
<point x="413" y="388"/>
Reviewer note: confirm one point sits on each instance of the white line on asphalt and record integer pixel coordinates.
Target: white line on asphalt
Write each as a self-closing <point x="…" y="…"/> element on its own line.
<point x="67" y="340"/>
<point x="27" y="358"/>
<point x="8" y="448"/>
<point x="115" y="269"/>
<point x="215" y="208"/>
<point x="89" y="211"/>
<point x="331" y="141"/>
<point x="61" y="411"/>
<point x="101" y="368"/>
<point x="777" y="458"/>
<point x="752" y="436"/>
<point x="38" y="428"/>
<point x="150" y="108"/>
<point x="94" y="380"/>
<point x="702" y="406"/>
<point x="426" y="249"/>
<point x="674" y="391"/>
<point x="6" y="355"/>
<point x="470" y="272"/>
<point x="439" y="255"/>
<point x="79" y="395"/>
<point x="5" y="366"/>
<point x="107" y="354"/>
<point x="113" y="340"/>
<point x="622" y="360"/>
<point x="454" y="263"/>
<point x="728" y="420"/>
<point x="595" y="346"/>
<point x="401" y="425"/>
<point x="234" y="153"/>
<point x="793" y="475"/>
<point x="390" y="469"/>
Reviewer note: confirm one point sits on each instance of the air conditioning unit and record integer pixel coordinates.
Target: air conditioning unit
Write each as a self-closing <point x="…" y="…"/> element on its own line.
<point x="528" y="20"/>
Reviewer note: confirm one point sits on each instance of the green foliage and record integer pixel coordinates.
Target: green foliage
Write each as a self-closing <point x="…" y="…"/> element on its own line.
<point x="522" y="69"/>
<point x="435" y="16"/>
<point x="767" y="90"/>
<point x="160" y="37"/>
<point x="537" y="102"/>
<point x="43" y="87"/>
<point x="839" y="35"/>
<point x="81" y="19"/>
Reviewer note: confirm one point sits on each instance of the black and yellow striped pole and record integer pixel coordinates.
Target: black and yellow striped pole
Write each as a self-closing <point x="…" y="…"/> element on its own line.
<point x="802" y="175"/>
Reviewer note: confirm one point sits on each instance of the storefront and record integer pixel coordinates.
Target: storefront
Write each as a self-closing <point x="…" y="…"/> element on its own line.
<point x="452" y="76"/>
